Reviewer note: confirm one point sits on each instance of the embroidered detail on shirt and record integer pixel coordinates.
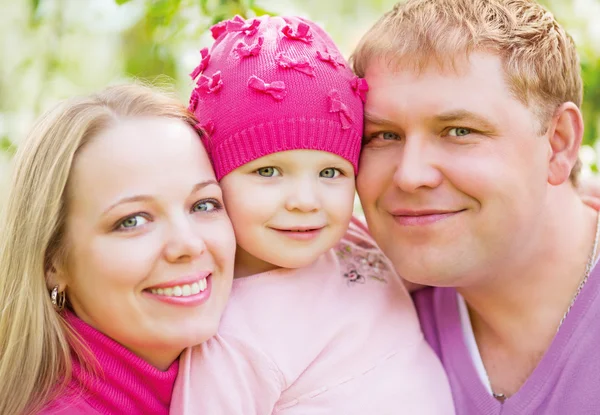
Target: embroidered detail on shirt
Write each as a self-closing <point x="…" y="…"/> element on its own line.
<point x="301" y="64"/>
<point x="244" y="50"/>
<point x="302" y="33"/>
<point x="360" y="87"/>
<point x="354" y="277"/>
<point x="202" y="65"/>
<point x="276" y="88"/>
<point x="359" y="264"/>
<point x="336" y="105"/>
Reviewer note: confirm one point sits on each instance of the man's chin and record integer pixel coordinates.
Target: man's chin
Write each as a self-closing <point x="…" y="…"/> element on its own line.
<point x="439" y="275"/>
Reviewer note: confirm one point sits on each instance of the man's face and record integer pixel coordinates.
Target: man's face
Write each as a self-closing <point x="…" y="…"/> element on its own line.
<point x="453" y="172"/>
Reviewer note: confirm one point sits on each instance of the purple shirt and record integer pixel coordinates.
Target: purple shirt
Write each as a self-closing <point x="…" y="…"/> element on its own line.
<point x="566" y="380"/>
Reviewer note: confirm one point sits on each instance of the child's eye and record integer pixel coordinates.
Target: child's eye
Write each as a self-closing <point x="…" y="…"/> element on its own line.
<point x="132" y="222"/>
<point x="268" y="172"/>
<point x="388" y="135"/>
<point x="330" y="173"/>
<point x="459" y="132"/>
<point x="206" y="206"/>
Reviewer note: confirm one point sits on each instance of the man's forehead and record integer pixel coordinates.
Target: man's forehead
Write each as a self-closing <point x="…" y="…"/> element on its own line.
<point x="452" y="65"/>
<point x="479" y="85"/>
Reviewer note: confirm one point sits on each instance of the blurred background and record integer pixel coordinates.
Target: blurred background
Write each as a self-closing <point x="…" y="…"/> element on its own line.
<point x="54" y="49"/>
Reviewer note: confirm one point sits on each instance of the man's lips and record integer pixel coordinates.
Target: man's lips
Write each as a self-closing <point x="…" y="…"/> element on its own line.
<point x="421" y="217"/>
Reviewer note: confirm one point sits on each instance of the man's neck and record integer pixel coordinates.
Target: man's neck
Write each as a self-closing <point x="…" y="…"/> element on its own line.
<point x="516" y="312"/>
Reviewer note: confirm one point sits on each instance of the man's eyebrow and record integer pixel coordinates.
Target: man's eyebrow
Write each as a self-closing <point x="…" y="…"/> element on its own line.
<point x="373" y="119"/>
<point x="463" y="115"/>
<point x="141" y="198"/>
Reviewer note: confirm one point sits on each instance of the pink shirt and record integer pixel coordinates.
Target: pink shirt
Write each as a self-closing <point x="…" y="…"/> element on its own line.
<point x="338" y="337"/>
<point x="126" y="383"/>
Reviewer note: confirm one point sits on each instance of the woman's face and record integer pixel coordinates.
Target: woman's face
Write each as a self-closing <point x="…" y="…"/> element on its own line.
<point x="150" y="249"/>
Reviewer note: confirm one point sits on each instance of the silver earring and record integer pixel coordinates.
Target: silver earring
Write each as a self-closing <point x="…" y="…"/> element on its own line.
<point x="58" y="298"/>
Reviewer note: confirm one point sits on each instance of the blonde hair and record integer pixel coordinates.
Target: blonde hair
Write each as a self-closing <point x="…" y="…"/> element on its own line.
<point x="35" y="341"/>
<point x="540" y="59"/>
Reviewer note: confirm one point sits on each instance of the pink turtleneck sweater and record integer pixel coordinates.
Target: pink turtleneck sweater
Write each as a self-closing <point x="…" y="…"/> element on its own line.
<point x="126" y="384"/>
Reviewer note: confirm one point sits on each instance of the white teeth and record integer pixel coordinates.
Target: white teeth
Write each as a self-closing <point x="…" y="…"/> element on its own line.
<point x="182" y="290"/>
<point x="195" y="288"/>
<point x="186" y="290"/>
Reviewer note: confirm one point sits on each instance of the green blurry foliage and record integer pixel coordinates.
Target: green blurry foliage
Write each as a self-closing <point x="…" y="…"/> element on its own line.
<point x="7" y="146"/>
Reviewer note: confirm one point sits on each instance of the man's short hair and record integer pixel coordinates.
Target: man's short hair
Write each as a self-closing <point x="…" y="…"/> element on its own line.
<point x="540" y="59"/>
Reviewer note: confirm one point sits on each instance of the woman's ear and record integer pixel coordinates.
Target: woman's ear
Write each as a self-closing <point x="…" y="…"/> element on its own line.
<point x="55" y="276"/>
<point x="564" y="135"/>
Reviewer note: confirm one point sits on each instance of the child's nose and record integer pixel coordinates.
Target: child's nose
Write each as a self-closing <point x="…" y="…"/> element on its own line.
<point x="303" y="195"/>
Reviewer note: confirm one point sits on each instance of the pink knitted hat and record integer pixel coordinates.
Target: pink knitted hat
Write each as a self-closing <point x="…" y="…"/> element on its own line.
<point x="273" y="84"/>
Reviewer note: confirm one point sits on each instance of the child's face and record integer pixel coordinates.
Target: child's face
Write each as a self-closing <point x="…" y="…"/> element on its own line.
<point x="288" y="208"/>
<point x="146" y="212"/>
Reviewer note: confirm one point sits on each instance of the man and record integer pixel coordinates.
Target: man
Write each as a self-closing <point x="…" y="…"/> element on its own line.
<point x="468" y="182"/>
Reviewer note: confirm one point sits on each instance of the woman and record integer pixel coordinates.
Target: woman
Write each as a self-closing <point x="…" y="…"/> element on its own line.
<point x="115" y="254"/>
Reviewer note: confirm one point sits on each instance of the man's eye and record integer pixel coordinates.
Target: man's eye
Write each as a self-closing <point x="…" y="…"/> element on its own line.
<point x="268" y="172"/>
<point x="330" y="173"/>
<point x="459" y="132"/>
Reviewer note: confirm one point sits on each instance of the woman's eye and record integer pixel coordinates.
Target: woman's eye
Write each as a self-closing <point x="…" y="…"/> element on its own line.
<point x="330" y="173"/>
<point x="459" y="132"/>
<point x="206" y="206"/>
<point x="132" y="222"/>
<point x="268" y="172"/>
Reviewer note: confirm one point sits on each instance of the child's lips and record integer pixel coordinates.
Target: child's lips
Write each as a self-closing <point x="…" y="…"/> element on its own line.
<point x="300" y="233"/>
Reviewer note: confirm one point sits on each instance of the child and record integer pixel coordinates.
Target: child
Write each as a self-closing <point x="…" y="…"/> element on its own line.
<point x="317" y="322"/>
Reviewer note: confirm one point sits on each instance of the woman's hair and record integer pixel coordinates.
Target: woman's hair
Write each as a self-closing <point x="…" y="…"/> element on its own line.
<point x="36" y="344"/>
